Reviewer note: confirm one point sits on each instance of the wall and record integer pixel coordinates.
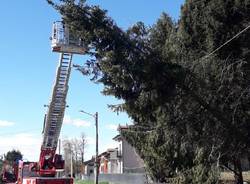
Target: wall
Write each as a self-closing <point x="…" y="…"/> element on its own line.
<point x="132" y="163"/>
<point x="128" y="178"/>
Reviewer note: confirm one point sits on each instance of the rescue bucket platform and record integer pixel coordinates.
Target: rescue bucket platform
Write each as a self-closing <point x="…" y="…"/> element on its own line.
<point x="64" y="42"/>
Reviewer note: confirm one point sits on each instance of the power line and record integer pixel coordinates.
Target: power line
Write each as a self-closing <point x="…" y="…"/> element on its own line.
<point x="238" y="34"/>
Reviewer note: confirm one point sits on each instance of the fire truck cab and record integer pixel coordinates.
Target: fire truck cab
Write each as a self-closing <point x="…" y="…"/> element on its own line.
<point x="27" y="174"/>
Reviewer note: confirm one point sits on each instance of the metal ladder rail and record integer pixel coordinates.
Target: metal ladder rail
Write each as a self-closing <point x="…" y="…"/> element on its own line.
<point x="55" y="114"/>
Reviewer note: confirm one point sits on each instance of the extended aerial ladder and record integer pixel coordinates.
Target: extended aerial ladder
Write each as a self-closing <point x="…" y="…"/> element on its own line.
<point x="49" y="161"/>
<point x="44" y="171"/>
<point x="67" y="45"/>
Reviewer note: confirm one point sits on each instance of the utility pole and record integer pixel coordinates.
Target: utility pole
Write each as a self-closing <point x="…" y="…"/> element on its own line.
<point x="71" y="164"/>
<point x="96" y="157"/>
<point x="96" y="145"/>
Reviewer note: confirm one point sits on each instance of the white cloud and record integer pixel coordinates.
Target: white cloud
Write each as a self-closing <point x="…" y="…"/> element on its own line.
<point x="112" y="127"/>
<point x="28" y="144"/>
<point x="4" y="123"/>
<point x="76" y="122"/>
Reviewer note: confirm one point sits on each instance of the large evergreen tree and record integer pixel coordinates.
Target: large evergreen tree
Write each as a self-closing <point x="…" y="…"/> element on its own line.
<point x="190" y="114"/>
<point x="204" y="27"/>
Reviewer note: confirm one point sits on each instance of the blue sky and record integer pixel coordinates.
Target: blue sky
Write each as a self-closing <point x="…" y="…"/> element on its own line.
<point x="27" y="72"/>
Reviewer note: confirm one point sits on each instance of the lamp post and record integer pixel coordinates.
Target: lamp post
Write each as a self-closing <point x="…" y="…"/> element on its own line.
<point x="96" y="145"/>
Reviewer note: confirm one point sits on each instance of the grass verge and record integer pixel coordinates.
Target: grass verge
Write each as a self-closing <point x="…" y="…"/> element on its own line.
<point x="229" y="176"/>
<point x="88" y="182"/>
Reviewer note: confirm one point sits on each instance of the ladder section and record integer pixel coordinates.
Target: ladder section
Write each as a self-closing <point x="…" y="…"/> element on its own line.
<point x="56" y="109"/>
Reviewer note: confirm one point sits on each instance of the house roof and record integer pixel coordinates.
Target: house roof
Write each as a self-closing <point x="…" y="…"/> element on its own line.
<point x="120" y="128"/>
<point x="112" y="149"/>
<point x="105" y="154"/>
<point x="117" y="138"/>
<point x="88" y="162"/>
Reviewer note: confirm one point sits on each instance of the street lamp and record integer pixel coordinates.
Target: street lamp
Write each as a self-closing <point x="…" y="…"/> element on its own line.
<point x="96" y="145"/>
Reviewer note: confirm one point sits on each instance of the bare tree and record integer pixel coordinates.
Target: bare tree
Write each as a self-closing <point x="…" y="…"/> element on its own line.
<point x="83" y="143"/>
<point x="67" y="152"/>
<point x="74" y="147"/>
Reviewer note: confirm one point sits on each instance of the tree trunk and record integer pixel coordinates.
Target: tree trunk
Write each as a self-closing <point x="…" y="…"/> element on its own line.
<point x="238" y="178"/>
<point x="238" y="172"/>
<point x="82" y="155"/>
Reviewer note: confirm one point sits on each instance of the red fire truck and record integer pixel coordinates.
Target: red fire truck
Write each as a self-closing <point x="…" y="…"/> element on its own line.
<point x="44" y="171"/>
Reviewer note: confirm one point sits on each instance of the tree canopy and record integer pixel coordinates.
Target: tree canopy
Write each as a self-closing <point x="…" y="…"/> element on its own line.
<point x="13" y="156"/>
<point x="190" y="113"/>
<point x="7" y="162"/>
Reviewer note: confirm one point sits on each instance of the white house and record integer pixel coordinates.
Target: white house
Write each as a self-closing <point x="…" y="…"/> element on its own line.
<point x="123" y="159"/>
<point x="130" y="161"/>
